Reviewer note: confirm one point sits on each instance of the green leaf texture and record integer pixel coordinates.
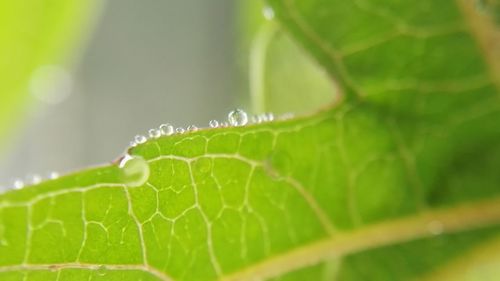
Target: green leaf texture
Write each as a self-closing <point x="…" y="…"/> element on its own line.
<point x="398" y="181"/>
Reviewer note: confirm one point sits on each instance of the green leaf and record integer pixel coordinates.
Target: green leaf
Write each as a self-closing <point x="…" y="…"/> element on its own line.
<point x="279" y="71"/>
<point x="34" y="34"/>
<point x="399" y="181"/>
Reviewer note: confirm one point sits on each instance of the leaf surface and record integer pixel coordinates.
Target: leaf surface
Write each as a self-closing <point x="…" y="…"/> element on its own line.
<point x="399" y="181"/>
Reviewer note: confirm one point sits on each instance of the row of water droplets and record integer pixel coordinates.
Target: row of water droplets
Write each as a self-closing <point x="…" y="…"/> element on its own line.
<point x="135" y="170"/>
<point x="235" y="118"/>
<point x="30" y="180"/>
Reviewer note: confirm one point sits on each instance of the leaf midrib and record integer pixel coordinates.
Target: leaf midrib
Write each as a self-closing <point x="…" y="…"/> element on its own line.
<point x="463" y="217"/>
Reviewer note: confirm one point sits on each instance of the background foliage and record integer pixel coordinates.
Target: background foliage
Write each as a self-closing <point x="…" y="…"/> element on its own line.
<point x="34" y="34"/>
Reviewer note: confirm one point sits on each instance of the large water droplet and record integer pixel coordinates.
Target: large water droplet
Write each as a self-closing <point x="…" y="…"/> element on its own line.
<point x="167" y="129"/>
<point x="140" y="139"/>
<point x="213" y="123"/>
<point x="134" y="170"/>
<point x="268" y="13"/>
<point x="237" y="117"/>
<point x="154" y="133"/>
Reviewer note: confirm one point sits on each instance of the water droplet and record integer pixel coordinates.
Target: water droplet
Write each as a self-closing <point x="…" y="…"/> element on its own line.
<point x="237" y="117"/>
<point x="140" y="139"/>
<point x="269" y="116"/>
<point x="435" y="227"/>
<point x="214" y="123"/>
<point x="180" y="130"/>
<point x="133" y="144"/>
<point x="263" y="117"/>
<point x="18" y="184"/>
<point x="224" y="124"/>
<point x="154" y="133"/>
<point x="256" y="119"/>
<point x="167" y="129"/>
<point x="192" y="128"/>
<point x="53" y="175"/>
<point x="268" y="13"/>
<point x="134" y="170"/>
<point x="101" y="270"/>
<point x="36" y="179"/>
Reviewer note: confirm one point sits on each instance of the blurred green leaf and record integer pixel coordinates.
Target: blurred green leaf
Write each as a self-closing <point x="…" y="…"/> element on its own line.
<point x="397" y="181"/>
<point x="279" y="71"/>
<point x="34" y="34"/>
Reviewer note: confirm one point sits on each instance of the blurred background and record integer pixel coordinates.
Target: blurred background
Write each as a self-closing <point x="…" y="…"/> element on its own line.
<point x="81" y="78"/>
<point x="143" y="63"/>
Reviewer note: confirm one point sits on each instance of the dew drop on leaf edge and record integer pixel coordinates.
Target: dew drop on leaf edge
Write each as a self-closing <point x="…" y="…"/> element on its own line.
<point x="140" y="139"/>
<point x="213" y="124"/>
<point x="237" y="117"/>
<point x="154" y="133"/>
<point x="134" y="170"/>
<point x="167" y="129"/>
